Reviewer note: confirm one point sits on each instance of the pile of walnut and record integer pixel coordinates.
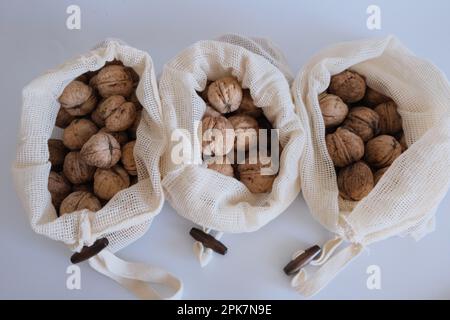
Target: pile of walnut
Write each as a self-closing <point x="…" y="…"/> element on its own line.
<point x="231" y="109"/>
<point x="94" y="160"/>
<point x="364" y="133"/>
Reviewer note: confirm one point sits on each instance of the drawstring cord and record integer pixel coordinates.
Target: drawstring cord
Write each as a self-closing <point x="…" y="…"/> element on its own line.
<point x="203" y="254"/>
<point x="329" y="263"/>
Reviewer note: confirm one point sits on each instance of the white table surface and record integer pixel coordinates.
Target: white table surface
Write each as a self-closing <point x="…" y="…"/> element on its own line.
<point x="34" y="38"/>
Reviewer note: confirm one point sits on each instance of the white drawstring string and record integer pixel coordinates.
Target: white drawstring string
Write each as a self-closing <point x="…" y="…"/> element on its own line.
<point x="203" y="254"/>
<point x="327" y="250"/>
<point x="85" y="235"/>
<point x="330" y="265"/>
<point x="136" y="277"/>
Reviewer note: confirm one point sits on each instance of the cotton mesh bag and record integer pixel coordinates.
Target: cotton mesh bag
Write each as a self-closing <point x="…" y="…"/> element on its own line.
<point x="128" y="215"/>
<point x="404" y="201"/>
<point x="218" y="203"/>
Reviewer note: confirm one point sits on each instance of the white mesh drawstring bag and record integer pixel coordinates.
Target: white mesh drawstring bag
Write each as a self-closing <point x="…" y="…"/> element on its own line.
<point x="218" y="203"/>
<point x="405" y="199"/>
<point x="128" y="215"/>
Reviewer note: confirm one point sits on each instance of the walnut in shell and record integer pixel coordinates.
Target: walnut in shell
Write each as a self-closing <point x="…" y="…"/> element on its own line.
<point x="390" y="120"/>
<point x="221" y="165"/>
<point x="128" y="158"/>
<point x="373" y="98"/>
<point x="59" y="187"/>
<point x="211" y="112"/>
<point x="97" y="119"/>
<point x="133" y="129"/>
<point x="137" y="104"/>
<point x="217" y="136"/>
<point x="333" y="109"/>
<point x="78" y="132"/>
<point x="107" y="182"/>
<point x="102" y="151"/>
<point x="83" y="187"/>
<point x="79" y="200"/>
<point x="114" y="80"/>
<point x="78" y="98"/>
<point x="63" y="118"/>
<point x="246" y="132"/>
<point x="381" y="151"/>
<point x="225" y="94"/>
<point x="57" y="153"/>
<point x="133" y="75"/>
<point x="76" y="170"/>
<point x="248" y="106"/>
<point x="378" y="174"/>
<point x="355" y="181"/>
<point x="348" y="85"/>
<point x="362" y="121"/>
<point x="117" y="113"/>
<point x="83" y="78"/>
<point x="120" y="136"/>
<point x="344" y="147"/>
<point x="251" y="174"/>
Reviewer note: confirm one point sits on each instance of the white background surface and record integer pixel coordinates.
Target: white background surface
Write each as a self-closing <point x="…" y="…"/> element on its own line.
<point x="33" y="38"/>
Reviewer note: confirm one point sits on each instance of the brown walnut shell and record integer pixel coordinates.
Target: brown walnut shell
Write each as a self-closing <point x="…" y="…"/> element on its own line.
<point x="137" y="104"/>
<point x="251" y="175"/>
<point x="114" y="80"/>
<point x="97" y="119"/>
<point x="390" y="120"/>
<point x="76" y="170"/>
<point x="59" y="188"/>
<point x="217" y="136"/>
<point x="362" y="121"/>
<point x="373" y="98"/>
<point x="63" y="118"/>
<point x="84" y="108"/>
<point x="133" y="129"/>
<point x="128" y="158"/>
<point x="78" y="98"/>
<point x="225" y="94"/>
<point x="102" y="151"/>
<point x="221" y="165"/>
<point x="246" y="132"/>
<point x="79" y="200"/>
<point x="108" y="182"/>
<point x="211" y="112"/>
<point x="57" y="152"/>
<point x="83" y="78"/>
<point x="117" y="113"/>
<point x="78" y="132"/>
<point x="120" y="136"/>
<point x="355" y="181"/>
<point x="379" y="173"/>
<point x="83" y="187"/>
<point x="333" y="109"/>
<point x="348" y="85"/>
<point x="381" y="151"/>
<point x="133" y="75"/>
<point x="75" y="94"/>
<point x="344" y="147"/>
